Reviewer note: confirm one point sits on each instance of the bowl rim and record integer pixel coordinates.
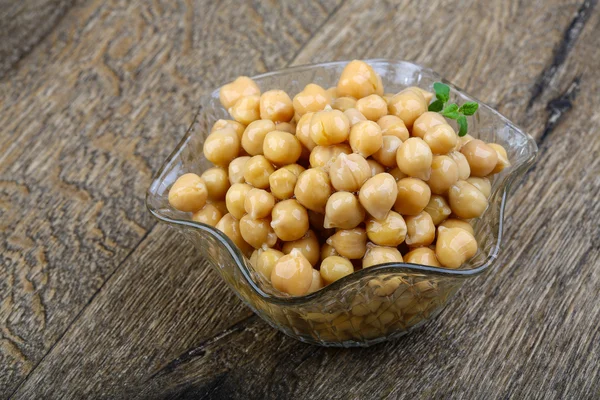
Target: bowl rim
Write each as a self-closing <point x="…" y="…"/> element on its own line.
<point x="240" y="260"/>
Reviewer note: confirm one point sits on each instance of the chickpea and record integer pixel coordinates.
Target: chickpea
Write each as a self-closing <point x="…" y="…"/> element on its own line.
<point x="229" y="123"/>
<point x="441" y="139"/>
<point x="358" y="80"/>
<point x="463" y="140"/>
<point x="344" y="103"/>
<point x="481" y="158"/>
<point x="420" y="230"/>
<point x="349" y="243"/>
<point x="308" y="245"/>
<point x="246" y="109"/>
<point x="397" y="174"/>
<point x="327" y="250"/>
<point x="422" y="256"/>
<point x="427" y="95"/>
<point x="376" y="168"/>
<point x="390" y="231"/>
<point x="354" y="116"/>
<point x="483" y="184"/>
<point x="230" y="226"/>
<point x="334" y="268"/>
<point x="266" y="260"/>
<point x="188" y="193"/>
<point x="408" y="105"/>
<point x="222" y="146"/>
<point x="323" y="156"/>
<point x="281" y="148"/>
<point x="373" y="107"/>
<point x="386" y="155"/>
<point x="332" y="92"/>
<point x="343" y="211"/>
<point x="329" y="127"/>
<point x="413" y="196"/>
<point x="254" y="136"/>
<point x="289" y="220"/>
<point x="317" y="282"/>
<point x="438" y="208"/>
<point x="312" y="99"/>
<point x="276" y="105"/>
<point x="458" y="223"/>
<point x="296" y="169"/>
<point x="217" y="182"/>
<point x="349" y="172"/>
<point x="241" y="87"/>
<point x="289" y="127"/>
<point x="236" y="169"/>
<point x="209" y="215"/>
<point x="502" y="158"/>
<point x="257" y="232"/>
<point x="312" y="190"/>
<point x="365" y="138"/>
<point x="282" y="183"/>
<point x="454" y="246"/>
<point x="235" y="199"/>
<point x="394" y="126"/>
<point x="376" y="255"/>
<point x="257" y="172"/>
<point x="303" y="131"/>
<point x="378" y="195"/>
<point x="426" y="121"/>
<point x="221" y="205"/>
<point x="466" y="201"/>
<point x="259" y="203"/>
<point x="292" y="274"/>
<point x="464" y="170"/>
<point x="444" y="173"/>
<point x="414" y="158"/>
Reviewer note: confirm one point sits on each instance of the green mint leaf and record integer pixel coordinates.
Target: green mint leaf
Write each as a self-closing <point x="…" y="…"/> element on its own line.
<point x="442" y="92"/>
<point x="436" y="106"/>
<point x="451" y="111"/>
<point x="469" y="108"/>
<point x="463" y="126"/>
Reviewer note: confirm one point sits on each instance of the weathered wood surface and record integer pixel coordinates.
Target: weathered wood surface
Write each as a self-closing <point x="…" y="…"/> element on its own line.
<point x="128" y="309"/>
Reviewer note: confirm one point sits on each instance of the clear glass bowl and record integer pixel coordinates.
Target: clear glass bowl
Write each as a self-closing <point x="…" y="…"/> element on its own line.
<point x="373" y="304"/>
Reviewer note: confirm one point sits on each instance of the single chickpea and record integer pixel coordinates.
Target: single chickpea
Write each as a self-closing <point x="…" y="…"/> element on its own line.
<point x="230" y="226"/>
<point x="246" y="109"/>
<point x="281" y="148"/>
<point x="312" y="190"/>
<point x="454" y="246"/>
<point x="236" y="169"/>
<point x="332" y="92"/>
<point x="289" y="127"/>
<point x="257" y="232"/>
<point x="312" y="99"/>
<point x="209" y="215"/>
<point x="376" y="168"/>
<point x="349" y="243"/>
<point x="327" y="250"/>
<point x="414" y="158"/>
<point x="254" y="136"/>
<point x="458" y="223"/>
<point x="257" y="172"/>
<point x="413" y="196"/>
<point x="259" y="203"/>
<point x="349" y="172"/>
<point x="221" y="205"/>
<point x="444" y="173"/>
<point x="344" y="103"/>
<point x="386" y="155"/>
<point x="438" y="208"/>
<point x="354" y="116"/>
<point x="466" y="201"/>
<point x="292" y="274"/>
<point x="235" y="199"/>
<point x="222" y="146"/>
<point x="241" y="87"/>
<point x="329" y="127"/>
<point x="426" y="121"/>
<point x="463" y="140"/>
<point x="229" y="123"/>
<point x="317" y="282"/>
<point x="420" y="230"/>
<point x="389" y="231"/>
<point x="503" y="161"/>
<point x="365" y="138"/>
<point x="483" y="184"/>
<point x="188" y="193"/>
<point x="334" y="268"/>
<point x="427" y="95"/>
<point x="481" y="158"/>
<point x="441" y="139"/>
<point x="373" y="107"/>
<point x="217" y="182"/>
<point x="378" y="195"/>
<point x="343" y="211"/>
<point x="323" y="156"/>
<point x="397" y="174"/>
<point x="296" y="169"/>
<point x="303" y="131"/>
<point x="266" y="260"/>
<point x="358" y="80"/>
<point x="408" y="105"/>
<point x="394" y="126"/>
<point x="289" y="220"/>
<point x="464" y="170"/>
<point x="422" y="256"/>
<point x="308" y="245"/>
<point x="376" y="255"/>
<point x="276" y="105"/>
<point x="282" y="183"/>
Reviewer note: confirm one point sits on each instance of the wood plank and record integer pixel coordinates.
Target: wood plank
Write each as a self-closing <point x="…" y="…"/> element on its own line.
<point x="85" y="120"/>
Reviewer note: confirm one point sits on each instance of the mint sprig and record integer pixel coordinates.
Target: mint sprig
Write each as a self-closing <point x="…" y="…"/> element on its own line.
<point x="452" y="110"/>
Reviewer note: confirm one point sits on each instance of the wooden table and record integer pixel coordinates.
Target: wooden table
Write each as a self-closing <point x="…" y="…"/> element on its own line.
<point x="97" y="300"/>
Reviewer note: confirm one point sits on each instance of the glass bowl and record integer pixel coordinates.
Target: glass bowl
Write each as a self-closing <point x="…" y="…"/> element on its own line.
<point x="374" y="304"/>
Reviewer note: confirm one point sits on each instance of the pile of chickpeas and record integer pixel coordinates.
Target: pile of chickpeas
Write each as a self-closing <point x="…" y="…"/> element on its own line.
<point x="315" y="187"/>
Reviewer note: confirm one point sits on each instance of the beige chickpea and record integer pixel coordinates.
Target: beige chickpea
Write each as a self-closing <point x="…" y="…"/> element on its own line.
<point x="438" y="208"/>
<point x="289" y="219"/>
<point x="454" y="246"/>
<point x="282" y="183"/>
<point x="344" y="103"/>
<point x="329" y="127"/>
<point x="327" y="250"/>
<point x="236" y="169"/>
<point x="378" y="195"/>
<point x="427" y="95"/>
<point x="376" y="255"/>
<point x="394" y="126"/>
<point x="289" y="127"/>
<point x="358" y="80"/>
<point x="254" y="136"/>
<point x="373" y="107"/>
<point x="463" y="140"/>
<point x="441" y="139"/>
<point x="217" y="182"/>
<point x="420" y="230"/>
<point x="229" y="123"/>
<point x="334" y="268"/>
<point x="444" y="173"/>
<point x="503" y="161"/>
<point x="386" y="155"/>
<point x="276" y="105"/>
<point x="259" y="203"/>
<point x="387" y="96"/>
<point x="343" y="211"/>
<point x="349" y="172"/>
<point x="308" y="245"/>
<point x="188" y="193"/>
<point x="235" y="199"/>
<point x="209" y="215"/>
<point x="414" y="158"/>
<point x="466" y="201"/>
<point x="292" y="274"/>
<point x="241" y="87"/>
<point x="303" y="131"/>
<point x="365" y="138"/>
<point x="281" y="148"/>
<point x="221" y="205"/>
<point x="397" y="174"/>
<point x="413" y="196"/>
<point x="376" y="168"/>
<point x="483" y="184"/>
<point x="464" y="170"/>
<point x="332" y="92"/>
<point x="317" y="282"/>
<point x="481" y="158"/>
<point x="257" y="172"/>
<point x="266" y="260"/>
<point x="230" y="226"/>
<point x="349" y="243"/>
<point x="426" y="121"/>
<point x="246" y="109"/>
<point x="408" y="105"/>
<point x="296" y="169"/>
<point x="323" y="156"/>
<point x="389" y="231"/>
<point x="313" y="188"/>
<point x="422" y="256"/>
<point x="312" y="99"/>
<point x="222" y="146"/>
<point x="354" y="116"/>
<point x="458" y="223"/>
<point x="257" y="232"/>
